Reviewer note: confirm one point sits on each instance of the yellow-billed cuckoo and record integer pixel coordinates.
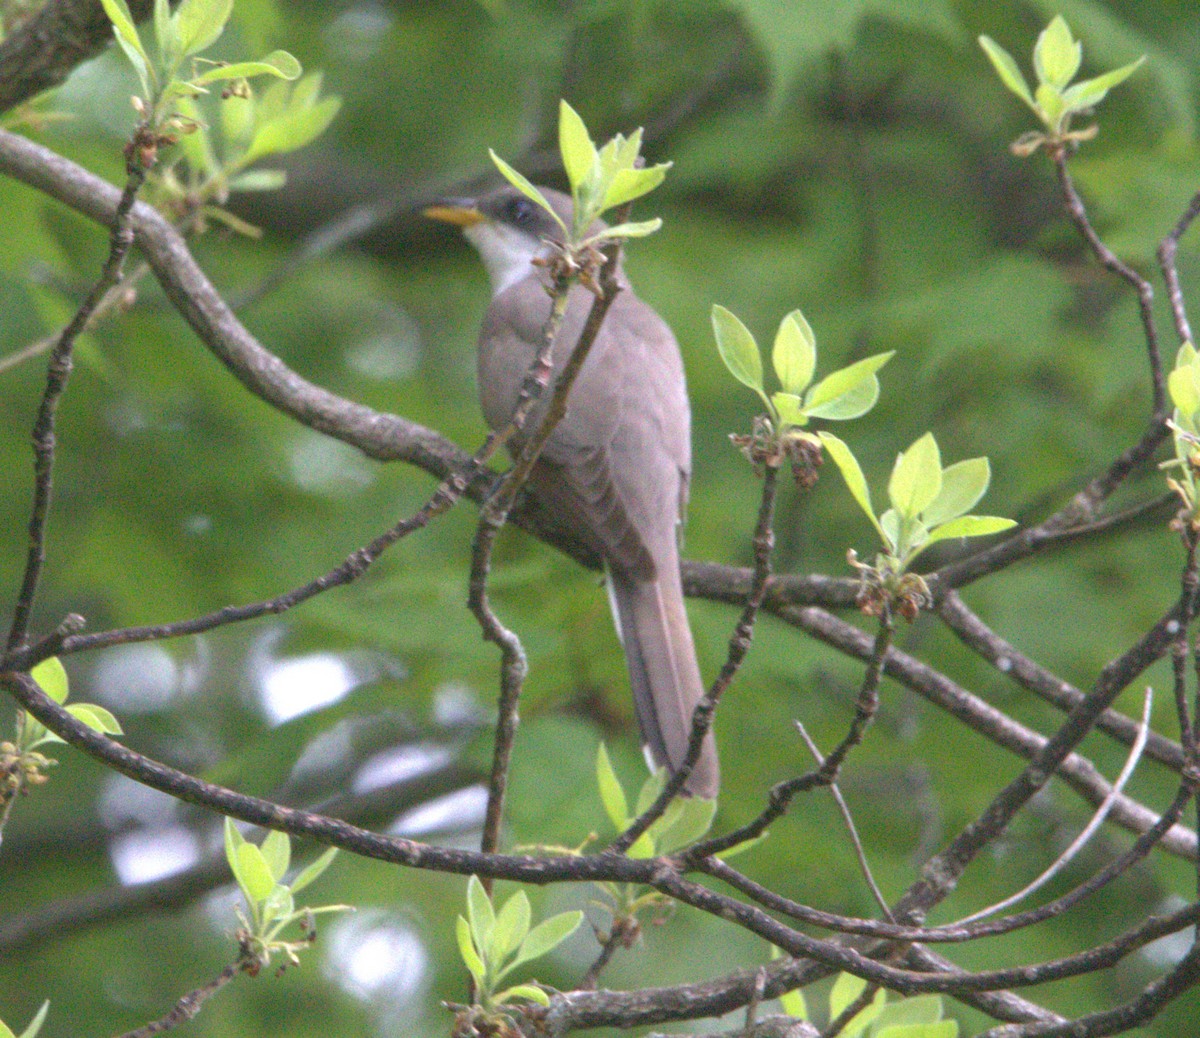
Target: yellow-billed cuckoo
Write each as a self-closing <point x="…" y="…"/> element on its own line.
<point x="615" y="470"/>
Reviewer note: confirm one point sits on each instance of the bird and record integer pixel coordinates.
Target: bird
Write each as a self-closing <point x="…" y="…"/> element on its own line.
<point x="615" y="471"/>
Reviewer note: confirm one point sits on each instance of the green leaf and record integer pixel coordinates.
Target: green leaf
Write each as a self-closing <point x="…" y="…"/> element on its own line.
<point x="854" y="403"/>
<point x="940" y="1029"/>
<point x="970" y="526"/>
<point x="842" y="381"/>
<point x="916" y="478"/>
<point x="636" y="229"/>
<point x="852" y="473"/>
<point x="1006" y="68"/>
<point x="123" y="25"/>
<point x="96" y="718"/>
<point x="889" y="526"/>
<point x="692" y="820"/>
<point x="481" y="915"/>
<point x="292" y="129"/>
<point x="963" y="484"/>
<point x="920" y="1009"/>
<point x="525" y="187"/>
<point x="199" y="23"/>
<point x="278" y="904"/>
<point x="258" y="180"/>
<point x="233" y="840"/>
<point x="1050" y="106"/>
<point x="138" y="60"/>
<point x="741" y="848"/>
<point x="1183" y="384"/>
<point x="1090" y="92"/>
<point x="575" y="143"/>
<point x="35" y="1025"/>
<point x="313" y="871"/>
<point x="466" y="949"/>
<point x="512" y="927"/>
<point x="788" y="410"/>
<point x="548" y="935"/>
<point x="612" y="796"/>
<point x="534" y="994"/>
<point x="253" y="873"/>
<point x="51" y="677"/>
<point x="628" y="184"/>
<point x="277" y="852"/>
<point x="846" y="988"/>
<point x="6" y="1031"/>
<point x="278" y="63"/>
<point x="1057" y="55"/>
<point x="738" y="350"/>
<point x="794" y="355"/>
<point x="651" y="789"/>
<point x="164" y="30"/>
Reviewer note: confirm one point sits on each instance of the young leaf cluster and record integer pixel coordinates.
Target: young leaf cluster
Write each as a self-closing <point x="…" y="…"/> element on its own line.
<point x="928" y="503"/>
<point x="179" y="36"/>
<point x="271" y="904"/>
<point x="601" y="178"/>
<point x="916" y="1017"/>
<point x="494" y="943"/>
<point x="1183" y="385"/>
<point x="1055" y="100"/>
<point x="35" y="1025"/>
<point x="847" y="393"/>
<point x="52" y="679"/>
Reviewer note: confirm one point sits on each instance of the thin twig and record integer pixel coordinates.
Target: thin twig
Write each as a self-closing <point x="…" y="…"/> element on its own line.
<point x="1167" y="249"/>
<point x="188" y="1006"/>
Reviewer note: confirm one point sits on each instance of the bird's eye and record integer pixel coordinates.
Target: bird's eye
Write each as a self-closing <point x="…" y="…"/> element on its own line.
<point x="522" y="211"/>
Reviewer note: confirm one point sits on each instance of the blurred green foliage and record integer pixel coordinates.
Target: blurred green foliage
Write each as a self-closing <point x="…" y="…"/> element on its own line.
<point x="847" y="158"/>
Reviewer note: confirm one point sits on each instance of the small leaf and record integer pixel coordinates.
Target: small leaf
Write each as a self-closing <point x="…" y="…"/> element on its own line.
<point x="512" y="927"/>
<point x="741" y="848"/>
<point x="1183" y="384"/>
<point x="963" y="484"/>
<point x="694" y="819"/>
<point x="199" y="23"/>
<point x="795" y="353"/>
<point x="313" y="871"/>
<point x="258" y="180"/>
<point x="1006" y="68"/>
<point x="1057" y="55"/>
<point x="651" y="789"/>
<point x="548" y="935"/>
<point x="788" y="411"/>
<point x="233" y="840"/>
<point x="970" y="526"/>
<point x="865" y="1016"/>
<point x="575" y="143"/>
<point x="466" y="949"/>
<point x="920" y="1009"/>
<point x="525" y="187"/>
<point x="854" y="403"/>
<point x="96" y="718"/>
<point x="292" y="129"/>
<point x="6" y="1031"/>
<point x="253" y="874"/>
<point x="842" y="381"/>
<point x="278" y="63"/>
<point x="1090" y="92"/>
<point x="612" y="796"/>
<point x="528" y="991"/>
<point x="940" y="1029"/>
<point x="279" y="904"/>
<point x="628" y="184"/>
<point x="889" y="526"/>
<point x="846" y="988"/>
<point x="738" y="350"/>
<point x="1050" y="106"/>
<point x="35" y="1025"/>
<point x="51" y="677"/>
<point x="916" y="478"/>
<point x="480" y="914"/>
<point x="123" y="24"/>
<point x="164" y="30"/>
<point x="852" y="473"/>
<point x="636" y="229"/>
<point x="277" y="852"/>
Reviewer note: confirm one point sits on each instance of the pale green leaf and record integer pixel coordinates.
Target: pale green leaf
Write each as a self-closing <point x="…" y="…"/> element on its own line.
<point x="51" y="677"/>
<point x="920" y="1009"/>
<point x="466" y="949"/>
<point x="794" y="355"/>
<point x="137" y="59"/>
<point x="864" y="1017"/>
<point x="889" y="527"/>
<point x="916" y="478"/>
<point x="636" y="229"/>
<point x="970" y="526"/>
<point x="612" y="796"/>
<point x="277" y="851"/>
<point x="852" y="473"/>
<point x="278" y="63"/>
<point x="788" y="411"/>
<point x="523" y="185"/>
<point x="575" y="143"/>
<point x="1006" y="68"/>
<point x="693" y="820"/>
<point x="738" y="350"/>
<point x="1090" y="92"/>
<point x="854" y="403"/>
<point x="313" y="871"/>
<point x="512" y="927"/>
<point x="480" y="914"/>
<point x="939" y="1029"/>
<point x="253" y="873"/>
<point x="6" y="1031"/>
<point x="846" y="988"/>
<point x="842" y="381"/>
<point x="199" y="23"/>
<point x="963" y="484"/>
<point x="548" y="935"/>
<point x="35" y="1025"/>
<point x="292" y="129"/>
<point x="279" y="904"/>
<point x="1183" y="385"/>
<point x="741" y="848"/>
<point x="164" y="30"/>
<point x="1057" y="55"/>
<point x="123" y="24"/>
<point x="534" y="994"/>
<point x="258" y="179"/>
<point x="96" y="718"/>
<point x="651" y="789"/>
<point x="233" y="840"/>
<point x="628" y="184"/>
<point x="1050" y="106"/>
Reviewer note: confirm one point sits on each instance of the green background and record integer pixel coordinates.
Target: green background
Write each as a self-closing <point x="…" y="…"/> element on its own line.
<point x="847" y="158"/>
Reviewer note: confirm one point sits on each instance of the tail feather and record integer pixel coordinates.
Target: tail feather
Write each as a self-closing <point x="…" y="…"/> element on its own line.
<point x="663" y="672"/>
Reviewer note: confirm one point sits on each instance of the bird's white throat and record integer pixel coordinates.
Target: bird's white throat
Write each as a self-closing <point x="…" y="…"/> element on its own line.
<point x="506" y="252"/>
